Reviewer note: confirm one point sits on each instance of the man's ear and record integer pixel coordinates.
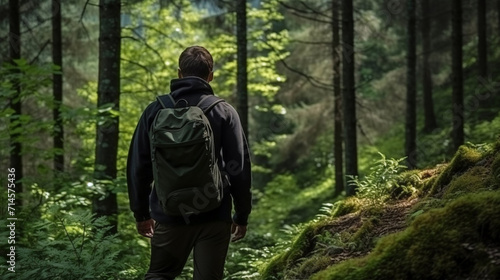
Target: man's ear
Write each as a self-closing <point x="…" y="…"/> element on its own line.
<point x="179" y="73"/>
<point x="210" y="76"/>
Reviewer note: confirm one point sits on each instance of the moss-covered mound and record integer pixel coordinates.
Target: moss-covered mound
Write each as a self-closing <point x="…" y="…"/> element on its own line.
<point x="449" y="229"/>
<point x="458" y="241"/>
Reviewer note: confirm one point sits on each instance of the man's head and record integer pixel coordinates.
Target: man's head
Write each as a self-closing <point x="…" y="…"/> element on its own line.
<point x="196" y="61"/>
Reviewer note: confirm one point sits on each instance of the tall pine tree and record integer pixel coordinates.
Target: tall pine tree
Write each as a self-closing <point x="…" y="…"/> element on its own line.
<point x="57" y="87"/>
<point x="337" y="95"/>
<point x="411" y="88"/>
<point x="349" y="95"/>
<point x="242" y="75"/>
<point x="108" y="92"/>
<point x="430" y="122"/>
<point x="482" y="50"/>
<point x="16" y="158"/>
<point x="457" y="74"/>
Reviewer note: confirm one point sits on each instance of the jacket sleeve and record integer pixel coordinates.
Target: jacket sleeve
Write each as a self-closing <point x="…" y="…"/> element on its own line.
<point x="237" y="165"/>
<point x="139" y="169"/>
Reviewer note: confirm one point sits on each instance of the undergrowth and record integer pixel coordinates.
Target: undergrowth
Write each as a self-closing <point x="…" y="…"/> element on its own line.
<point x="68" y="247"/>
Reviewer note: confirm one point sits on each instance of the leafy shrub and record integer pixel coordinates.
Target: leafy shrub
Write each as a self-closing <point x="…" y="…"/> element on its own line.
<point x="377" y="186"/>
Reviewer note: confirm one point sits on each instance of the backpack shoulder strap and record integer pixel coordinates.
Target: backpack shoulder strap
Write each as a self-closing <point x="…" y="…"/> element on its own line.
<point x="207" y="102"/>
<point x="170" y="101"/>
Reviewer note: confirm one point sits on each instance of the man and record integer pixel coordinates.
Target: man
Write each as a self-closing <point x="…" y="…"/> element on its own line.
<point x="206" y="234"/>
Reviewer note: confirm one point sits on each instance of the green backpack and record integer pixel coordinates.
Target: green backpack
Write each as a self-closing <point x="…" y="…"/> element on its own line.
<point x="186" y="175"/>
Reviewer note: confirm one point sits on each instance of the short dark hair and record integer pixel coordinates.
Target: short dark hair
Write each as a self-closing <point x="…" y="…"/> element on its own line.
<point x="196" y="61"/>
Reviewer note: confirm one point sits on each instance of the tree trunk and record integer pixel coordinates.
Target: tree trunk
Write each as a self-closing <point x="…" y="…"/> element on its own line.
<point x="108" y="93"/>
<point x="498" y="16"/>
<point x="348" y="95"/>
<point x="337" y="95"/>
<point x="57" y="87"/>
<point x="482" y="52"/>
<point x="457" y="75"/>
<point x="411" y="90"/>
<point x="242" y="79"/>
<point x="16" y="158"/>
<point x="430" y="122"/>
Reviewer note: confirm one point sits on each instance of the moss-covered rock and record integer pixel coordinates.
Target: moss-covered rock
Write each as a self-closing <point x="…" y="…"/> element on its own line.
<point x="475" y="179"/>
<point x="446" y="243"/>
<point x="464" y="158"/>
<point x="346" y="206"/>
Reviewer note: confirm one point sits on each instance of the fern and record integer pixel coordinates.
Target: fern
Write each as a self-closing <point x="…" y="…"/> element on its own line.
<point x="71" y="246"/>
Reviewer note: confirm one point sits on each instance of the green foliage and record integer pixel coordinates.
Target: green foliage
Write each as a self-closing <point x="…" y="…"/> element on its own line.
<point x="377" y="186"/>
<point x="334" y="242"/>
<point x="245" y="257"/>
<point x="70" y="242"/>
<point x="486" y="131"/>
<point x="30" y="127"/>
<point x="72" y="246"/>
<point x="283" y="202"/>
<point x="280" y="209"/>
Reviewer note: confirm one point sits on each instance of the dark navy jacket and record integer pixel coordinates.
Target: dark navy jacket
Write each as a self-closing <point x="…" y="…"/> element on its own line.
<point x="233" y="157"/>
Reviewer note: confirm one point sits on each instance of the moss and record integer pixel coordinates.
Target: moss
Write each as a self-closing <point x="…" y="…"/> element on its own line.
<point x="302" y="245"/>
<point x="428" y="183"/>
<point x="346" y="206"/>
<point x="273" y="270"/>
<point x="362" y="237"/>
<point x="312" y="265"/>
<point x="475" y="179"/>
<point x="495" y="167"/>
<point x="410" y="178"/>
<point x="464" y="158"/>
<point x="424" y="206"/>
<point x="433" y="246"/>
<point x="406" y="184"/>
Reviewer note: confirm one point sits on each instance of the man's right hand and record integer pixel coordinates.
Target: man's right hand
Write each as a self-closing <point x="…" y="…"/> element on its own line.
<point x="146" y="228"/>
<point x="238" y="232"/>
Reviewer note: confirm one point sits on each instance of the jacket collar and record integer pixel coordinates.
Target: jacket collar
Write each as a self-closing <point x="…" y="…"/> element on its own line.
<point x="189" y="85"/>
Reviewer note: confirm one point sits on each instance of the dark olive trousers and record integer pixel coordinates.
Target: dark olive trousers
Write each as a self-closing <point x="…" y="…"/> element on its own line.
<point x="171" y="246"/>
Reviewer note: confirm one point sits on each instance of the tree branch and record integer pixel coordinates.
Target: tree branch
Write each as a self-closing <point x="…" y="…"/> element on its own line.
<point x="311" y="42"/>
<point x="312" y="80"/>
<point x="145" y="44"/>
<point x="39" y="52"/>
<point x="146" y="69"/>
<point x="309" y="13"/>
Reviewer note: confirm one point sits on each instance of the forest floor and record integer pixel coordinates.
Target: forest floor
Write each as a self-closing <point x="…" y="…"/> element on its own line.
<point x="447" y="227"/>
<point x="393" y="218"/>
